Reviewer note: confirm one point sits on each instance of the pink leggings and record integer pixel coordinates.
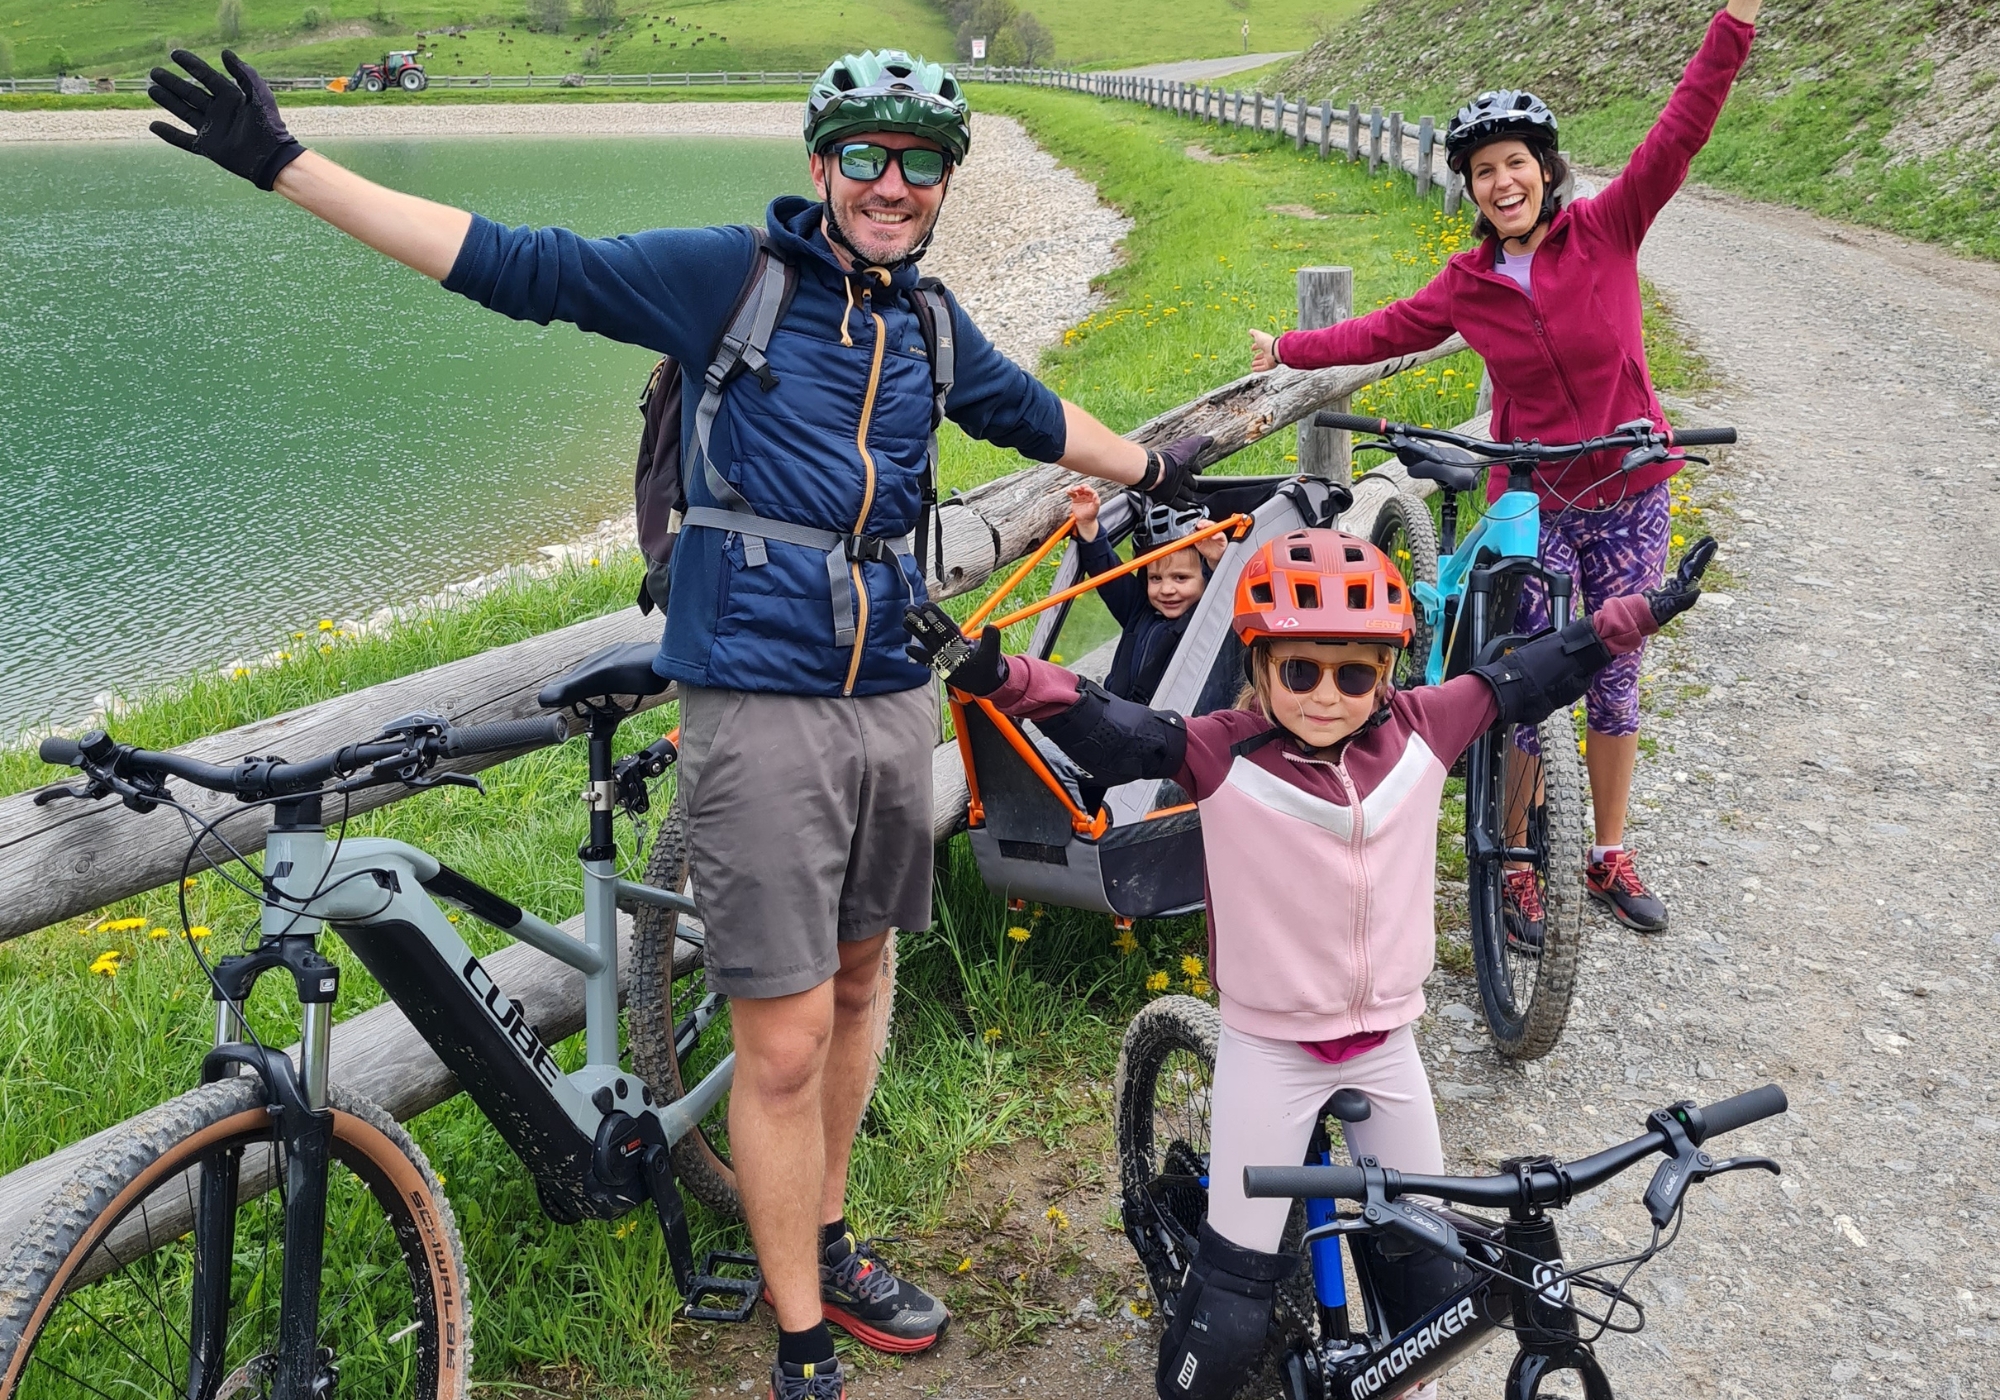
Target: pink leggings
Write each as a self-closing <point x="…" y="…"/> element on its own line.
<point x="1267" y="1094"/>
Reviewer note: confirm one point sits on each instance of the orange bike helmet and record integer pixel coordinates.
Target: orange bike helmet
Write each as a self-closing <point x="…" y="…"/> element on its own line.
<point x="1326" y="585"/>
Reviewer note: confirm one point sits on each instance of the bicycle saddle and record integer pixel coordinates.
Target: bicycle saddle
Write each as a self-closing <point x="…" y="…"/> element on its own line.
<point x="1453" y="468"/>
<point x="1349" y="1105"/>
<point x="622" y="669"/>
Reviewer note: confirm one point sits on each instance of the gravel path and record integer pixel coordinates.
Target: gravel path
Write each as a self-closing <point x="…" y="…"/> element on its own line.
<point x="1203" y="70"/>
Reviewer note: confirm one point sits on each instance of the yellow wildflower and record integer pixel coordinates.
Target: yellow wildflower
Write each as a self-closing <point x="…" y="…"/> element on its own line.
<point x="1199" y="986"/>
<point x="965" y="1265"/>
<point x="122" y="925"/>
<point x="189" y="882"/>
<point x="1190" y="966"/>
<point x="200" y="931"/>
<point x="1680" y="539"/>
<point x="157" y="933"/>
<point x="1125" y="942"/>
<point x="326" y="624"/>
<point x="1157" y="982"/>
<point x="106" y="964"/>
<point x="1018" y="934"/>
<point x="1057" y="1216"/>
<point x="992" y="1034"/>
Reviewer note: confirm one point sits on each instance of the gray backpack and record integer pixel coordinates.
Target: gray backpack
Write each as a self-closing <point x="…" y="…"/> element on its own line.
<point x="659" y="486"/>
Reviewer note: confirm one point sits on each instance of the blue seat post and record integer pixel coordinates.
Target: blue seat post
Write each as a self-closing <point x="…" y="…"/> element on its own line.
<point x="1329" y="1278"/>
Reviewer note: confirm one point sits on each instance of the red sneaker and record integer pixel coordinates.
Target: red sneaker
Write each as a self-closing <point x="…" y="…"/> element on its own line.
<point x="1522" y="912"/>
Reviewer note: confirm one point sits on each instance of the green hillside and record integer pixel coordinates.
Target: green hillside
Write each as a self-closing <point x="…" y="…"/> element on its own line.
<point x="662" y="36"/>
<point x="1874" y="111"/>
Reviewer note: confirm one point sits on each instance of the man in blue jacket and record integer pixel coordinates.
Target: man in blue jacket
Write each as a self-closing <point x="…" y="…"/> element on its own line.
<point x="806" y="731"/>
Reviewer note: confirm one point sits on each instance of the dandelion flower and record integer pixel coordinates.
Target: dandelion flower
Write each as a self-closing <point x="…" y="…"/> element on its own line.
<point x="965" y="1265"/>
<point x="1157" y="982"/>
<point x="1018" y="934"/>
<point x="1199" y="986"/>
<point x="326" y="624"/>
<point x="1191" y="966"/>
<point x="1680" y="539"/>
<point x="992" y="1034"/>
<point x="157" y="933"/>
<point x="106" y="963"/>
<point x="1057" y="1216"/>
<point x="189" y="882"/>
<point x="200" y="931"/>
<point x="1125" y="942"/>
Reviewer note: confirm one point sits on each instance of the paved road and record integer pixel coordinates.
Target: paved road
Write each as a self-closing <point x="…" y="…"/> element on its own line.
<point x="1202" y="70"/>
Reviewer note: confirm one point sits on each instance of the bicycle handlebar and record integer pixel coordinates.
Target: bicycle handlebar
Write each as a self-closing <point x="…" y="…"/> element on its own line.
<point x="419" y="742"/>
<point x="509" y="734"/>
<point x="1630" y="435"/>
<point x="1701" y="437"/>
<point x="1545" y="1185"/>
<point x="1352" y="422"/>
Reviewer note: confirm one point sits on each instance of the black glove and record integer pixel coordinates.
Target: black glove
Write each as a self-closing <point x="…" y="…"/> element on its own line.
<point x="937" y="642"/>
<point x="1679" y="593"/>
<point x="1169" y="468"/>
<point x="236" y="125"/>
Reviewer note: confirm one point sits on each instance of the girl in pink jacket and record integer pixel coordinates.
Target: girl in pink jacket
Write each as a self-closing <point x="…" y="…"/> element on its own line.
<point x="1550" y="299"/>
<point x="1319" y="814"/>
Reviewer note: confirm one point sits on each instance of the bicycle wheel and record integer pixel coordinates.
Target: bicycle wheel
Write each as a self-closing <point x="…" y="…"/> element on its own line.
<point x="1166" y="1072"/>
<point x="1404" y="532"/>
<point x="100" y="1295"/>
<point x="679" y="1029"/>
<point x="1526" y="991"/>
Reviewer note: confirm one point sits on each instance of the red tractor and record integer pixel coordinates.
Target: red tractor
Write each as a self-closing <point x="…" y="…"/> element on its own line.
<point x="399" y="69"/>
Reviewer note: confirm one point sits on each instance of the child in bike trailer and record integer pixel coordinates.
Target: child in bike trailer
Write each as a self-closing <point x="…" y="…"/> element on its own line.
<point x="1152" y="613"/>
<point x="1550" y="299"/>
<point x="1319" y="813"/>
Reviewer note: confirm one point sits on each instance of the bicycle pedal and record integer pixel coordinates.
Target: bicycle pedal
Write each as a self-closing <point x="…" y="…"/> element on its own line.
<point x="712" y="1283"/>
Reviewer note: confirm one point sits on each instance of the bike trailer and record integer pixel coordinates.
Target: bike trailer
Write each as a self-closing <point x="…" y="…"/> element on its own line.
<point x="1040" y="829"/>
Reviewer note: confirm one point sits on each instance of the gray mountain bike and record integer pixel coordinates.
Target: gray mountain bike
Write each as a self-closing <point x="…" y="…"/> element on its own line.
<point x="271" y="1235"/>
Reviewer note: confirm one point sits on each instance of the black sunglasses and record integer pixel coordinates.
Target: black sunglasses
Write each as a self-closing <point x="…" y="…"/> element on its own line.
<point x="867" y="162"/>
<point x="1301" y="675"/>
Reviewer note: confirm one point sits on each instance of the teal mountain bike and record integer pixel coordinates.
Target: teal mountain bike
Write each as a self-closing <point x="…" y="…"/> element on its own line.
<point x="1526" y="834"/>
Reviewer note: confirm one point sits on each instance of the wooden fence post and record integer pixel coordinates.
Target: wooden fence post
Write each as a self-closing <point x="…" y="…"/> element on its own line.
<point x="1426" y="134"/>
<point x="1299" y="140"/>
<point x="1325" y="127"/>
<point x="1353" y="132"/>
<point x="1278" y="115"/>
<point x="1484" y="403"/>
<point x="1326" y="295"/>
<point x="1454" y="188"/>
<point x="1395" y="143"/>
<point x="1374" y="139"/>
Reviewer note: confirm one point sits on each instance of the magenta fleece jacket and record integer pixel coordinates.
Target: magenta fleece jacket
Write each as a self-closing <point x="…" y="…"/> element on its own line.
<point x="1321" y="866"/>
<point x="1569" y="362"/>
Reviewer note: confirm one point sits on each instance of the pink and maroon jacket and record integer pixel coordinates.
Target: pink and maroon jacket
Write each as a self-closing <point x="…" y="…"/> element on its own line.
<point x="1321" y="865"/>
<point x="1569" y="362"/>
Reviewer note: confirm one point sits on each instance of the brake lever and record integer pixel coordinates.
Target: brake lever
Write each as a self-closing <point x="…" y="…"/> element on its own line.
<point x="1412" y="1222"/>
<point x="55" y="791"/>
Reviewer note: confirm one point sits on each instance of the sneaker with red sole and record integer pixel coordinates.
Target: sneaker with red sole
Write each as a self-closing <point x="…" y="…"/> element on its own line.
<point x="864" y="1298"/>
<point x="1613" y="883"/>
<point x="821" y="1381"/>
<point x="1522" y="912"/>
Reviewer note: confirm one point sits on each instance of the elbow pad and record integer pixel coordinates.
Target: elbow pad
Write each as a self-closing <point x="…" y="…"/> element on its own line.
<point x="1551" y="673"/>
<point x="1117" y="740"/>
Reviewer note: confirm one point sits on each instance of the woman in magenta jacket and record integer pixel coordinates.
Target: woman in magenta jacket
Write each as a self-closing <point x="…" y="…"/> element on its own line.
<point x="1550" y="299"/>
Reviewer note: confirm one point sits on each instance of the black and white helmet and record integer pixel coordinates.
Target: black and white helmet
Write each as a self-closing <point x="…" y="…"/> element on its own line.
<point x="1495" y="116"/>
<point x="1163" y="524"/>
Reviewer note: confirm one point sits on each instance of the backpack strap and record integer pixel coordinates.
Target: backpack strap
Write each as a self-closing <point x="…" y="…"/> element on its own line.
<point x="743" y="346"/>
<point x="934" y="317"/>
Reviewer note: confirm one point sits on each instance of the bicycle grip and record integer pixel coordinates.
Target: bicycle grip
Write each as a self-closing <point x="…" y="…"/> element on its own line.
<point x="1701" y="437"/>
<point x="56" y="749"/>
<point x="535" y="733"/>
<point x="1353" y="422"/>
<point x="1348" y="1183"/>
<point x="1746" y="1108"/>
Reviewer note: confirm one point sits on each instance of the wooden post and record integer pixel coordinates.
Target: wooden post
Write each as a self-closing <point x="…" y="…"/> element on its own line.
<point x="1257" y="111"/>
<point x="1374" y="139"/>
<point x="1395" y="143"/>
<point x="1299" y="140"/>
<point x="1278" y="115"/>
<point x="1484" y="403"/>
<point x="1426" y="134"/>
<point x="1353" y="132"/>
<point x="1326" y="296"/>
<point x="1454" y="189"/>
<point x="1325" y="127"/>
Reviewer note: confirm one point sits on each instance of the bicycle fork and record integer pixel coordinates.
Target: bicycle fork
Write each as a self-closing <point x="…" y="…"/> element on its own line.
<point x="1486" y="840"/>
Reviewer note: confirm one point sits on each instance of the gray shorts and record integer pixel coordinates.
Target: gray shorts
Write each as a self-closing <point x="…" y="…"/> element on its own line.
<point x="809" y="825"/>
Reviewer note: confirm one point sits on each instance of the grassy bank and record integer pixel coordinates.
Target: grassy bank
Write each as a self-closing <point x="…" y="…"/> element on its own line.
<point x="1001" y="1035"/>
<point x="1867" y="112"/>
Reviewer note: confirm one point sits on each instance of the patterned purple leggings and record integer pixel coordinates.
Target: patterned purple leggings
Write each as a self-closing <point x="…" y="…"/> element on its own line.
<point x="1609" y="553"/>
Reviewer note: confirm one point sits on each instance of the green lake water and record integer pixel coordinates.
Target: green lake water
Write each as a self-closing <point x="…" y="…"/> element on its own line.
<point x="220" y="419"/>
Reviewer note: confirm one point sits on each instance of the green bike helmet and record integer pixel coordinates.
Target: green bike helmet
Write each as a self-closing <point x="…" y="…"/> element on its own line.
<point x="887" y="90"/>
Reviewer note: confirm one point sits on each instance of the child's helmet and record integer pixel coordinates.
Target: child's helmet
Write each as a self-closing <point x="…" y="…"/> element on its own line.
<point x="1325" y="585"/>
<point x="1163" y="523"/>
